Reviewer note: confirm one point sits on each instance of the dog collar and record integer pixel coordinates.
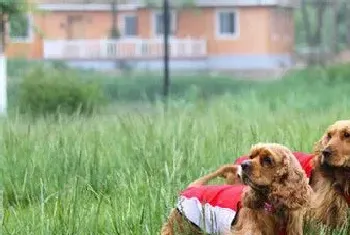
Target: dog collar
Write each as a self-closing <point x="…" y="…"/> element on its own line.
<point x="269" y="208"/>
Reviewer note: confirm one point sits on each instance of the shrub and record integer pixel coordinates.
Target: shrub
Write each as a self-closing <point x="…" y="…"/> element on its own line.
<point x="339" y="72"/>
<point x="16" y="68"/>
<point x="49" y="90"/>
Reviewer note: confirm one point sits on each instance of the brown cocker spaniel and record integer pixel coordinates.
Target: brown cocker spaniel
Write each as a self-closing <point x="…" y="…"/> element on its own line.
<point x="331" y="176"/>
<point x="273" y="201"/>
<point x="329" y="171"/>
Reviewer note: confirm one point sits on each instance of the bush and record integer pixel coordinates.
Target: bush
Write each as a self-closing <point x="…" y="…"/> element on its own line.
<point x="49" y="90"/>
<point x="339" y="72"/>
<point x="16" y="68"/>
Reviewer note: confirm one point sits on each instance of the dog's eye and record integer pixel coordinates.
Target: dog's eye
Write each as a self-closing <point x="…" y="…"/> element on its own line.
<point x="346" y="135"/>
<point x="266" y="161"/>
<point x="329" y="136"/>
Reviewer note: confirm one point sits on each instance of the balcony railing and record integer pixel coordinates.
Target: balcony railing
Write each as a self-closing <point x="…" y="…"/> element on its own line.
<point x="123" y="49"/>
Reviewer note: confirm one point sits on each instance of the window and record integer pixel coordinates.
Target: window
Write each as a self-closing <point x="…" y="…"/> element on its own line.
<point x="158" y="23"/>
<point x="130" y="25"/>
<point x="20" y="28"/>
<point x="227" y="23"/>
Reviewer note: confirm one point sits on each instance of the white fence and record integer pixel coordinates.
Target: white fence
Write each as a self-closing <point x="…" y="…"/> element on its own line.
<point x="123" y="49"/>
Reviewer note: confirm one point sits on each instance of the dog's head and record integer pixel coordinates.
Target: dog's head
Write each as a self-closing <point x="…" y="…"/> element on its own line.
<point x="273" y="170"/>
<point x="265" y="161"/>
<point x="333" y="149"/>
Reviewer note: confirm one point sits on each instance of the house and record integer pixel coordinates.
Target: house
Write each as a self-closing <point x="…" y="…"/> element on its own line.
<point x="208" y="34"/>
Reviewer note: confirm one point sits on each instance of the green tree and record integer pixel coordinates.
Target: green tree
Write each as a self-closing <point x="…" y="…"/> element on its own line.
<point x="323" y="26"/>
<point x="8" y="9"/>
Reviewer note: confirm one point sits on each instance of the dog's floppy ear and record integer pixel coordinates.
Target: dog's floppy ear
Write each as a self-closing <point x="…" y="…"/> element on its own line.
<point x="290" y="188"/>
<point x="318" y="147"/>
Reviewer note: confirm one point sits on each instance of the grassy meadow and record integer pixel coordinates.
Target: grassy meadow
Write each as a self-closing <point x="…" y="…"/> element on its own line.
<point x="120" y="172"/>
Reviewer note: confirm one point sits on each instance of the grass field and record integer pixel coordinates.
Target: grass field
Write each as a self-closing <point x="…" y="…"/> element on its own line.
<point x="120" y="174"/>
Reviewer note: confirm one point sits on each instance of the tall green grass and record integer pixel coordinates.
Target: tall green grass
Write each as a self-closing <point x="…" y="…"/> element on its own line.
<point x="120" y="174"/>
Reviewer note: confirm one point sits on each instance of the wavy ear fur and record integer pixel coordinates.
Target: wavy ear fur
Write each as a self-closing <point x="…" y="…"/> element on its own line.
<point x="318" y="147"/>
<point x="290" y="188"/>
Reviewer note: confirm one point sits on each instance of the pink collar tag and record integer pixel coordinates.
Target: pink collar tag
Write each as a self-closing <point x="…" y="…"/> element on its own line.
<point x="269" y="208"/>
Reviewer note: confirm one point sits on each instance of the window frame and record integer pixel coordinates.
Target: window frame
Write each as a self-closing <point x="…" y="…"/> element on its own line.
<point x="123" y="26"/>
<point x="221" y="35"/>
<point x="30" y="31"/>
<point x="173" y="23"/>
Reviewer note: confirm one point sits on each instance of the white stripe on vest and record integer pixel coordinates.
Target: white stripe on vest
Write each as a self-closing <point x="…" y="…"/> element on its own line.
<point x="211" y="219"/>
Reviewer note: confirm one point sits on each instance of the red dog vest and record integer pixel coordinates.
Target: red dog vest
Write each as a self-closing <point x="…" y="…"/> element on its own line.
<point x="213" y="208"/>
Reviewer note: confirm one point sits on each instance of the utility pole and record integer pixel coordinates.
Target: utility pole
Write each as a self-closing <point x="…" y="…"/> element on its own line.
<point x="114" y="34"/>
<point x="166" y="26"/>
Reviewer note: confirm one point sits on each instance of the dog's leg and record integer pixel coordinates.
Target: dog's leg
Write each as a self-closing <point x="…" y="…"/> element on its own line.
<point x="168" y="226"/>
<point x="231" y="174"/>
<point x="177" y="225"/>
<point x="232" y="178"/>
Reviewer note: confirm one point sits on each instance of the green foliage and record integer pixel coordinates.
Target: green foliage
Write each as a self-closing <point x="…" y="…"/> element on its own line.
<point x="19" y="25"/>
<point x="339" y="73"/>
<point x="328" y="25"/>
<point x="141" y="88"/>
<point x="17" y="68"/>
<point x="48" y="90"/>
<point x="10" y="7"/>
<point x="148" y="87"/>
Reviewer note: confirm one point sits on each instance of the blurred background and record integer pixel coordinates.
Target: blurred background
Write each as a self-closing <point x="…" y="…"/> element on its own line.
<point x="119" y="44"/>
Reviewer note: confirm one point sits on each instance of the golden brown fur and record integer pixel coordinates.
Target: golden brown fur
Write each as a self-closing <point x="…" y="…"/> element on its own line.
<point x="273" y="175"/>
<point x="331" y="177"/>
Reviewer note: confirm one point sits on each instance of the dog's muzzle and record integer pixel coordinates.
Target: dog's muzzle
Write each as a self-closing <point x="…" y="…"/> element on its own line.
<point x="246" y="166"/>
<point x="326" y="155"/>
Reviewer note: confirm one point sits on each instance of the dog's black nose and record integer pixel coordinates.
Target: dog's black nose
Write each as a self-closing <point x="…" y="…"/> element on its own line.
<point x="246" y="164"/>
<point x="327" y="153"/>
